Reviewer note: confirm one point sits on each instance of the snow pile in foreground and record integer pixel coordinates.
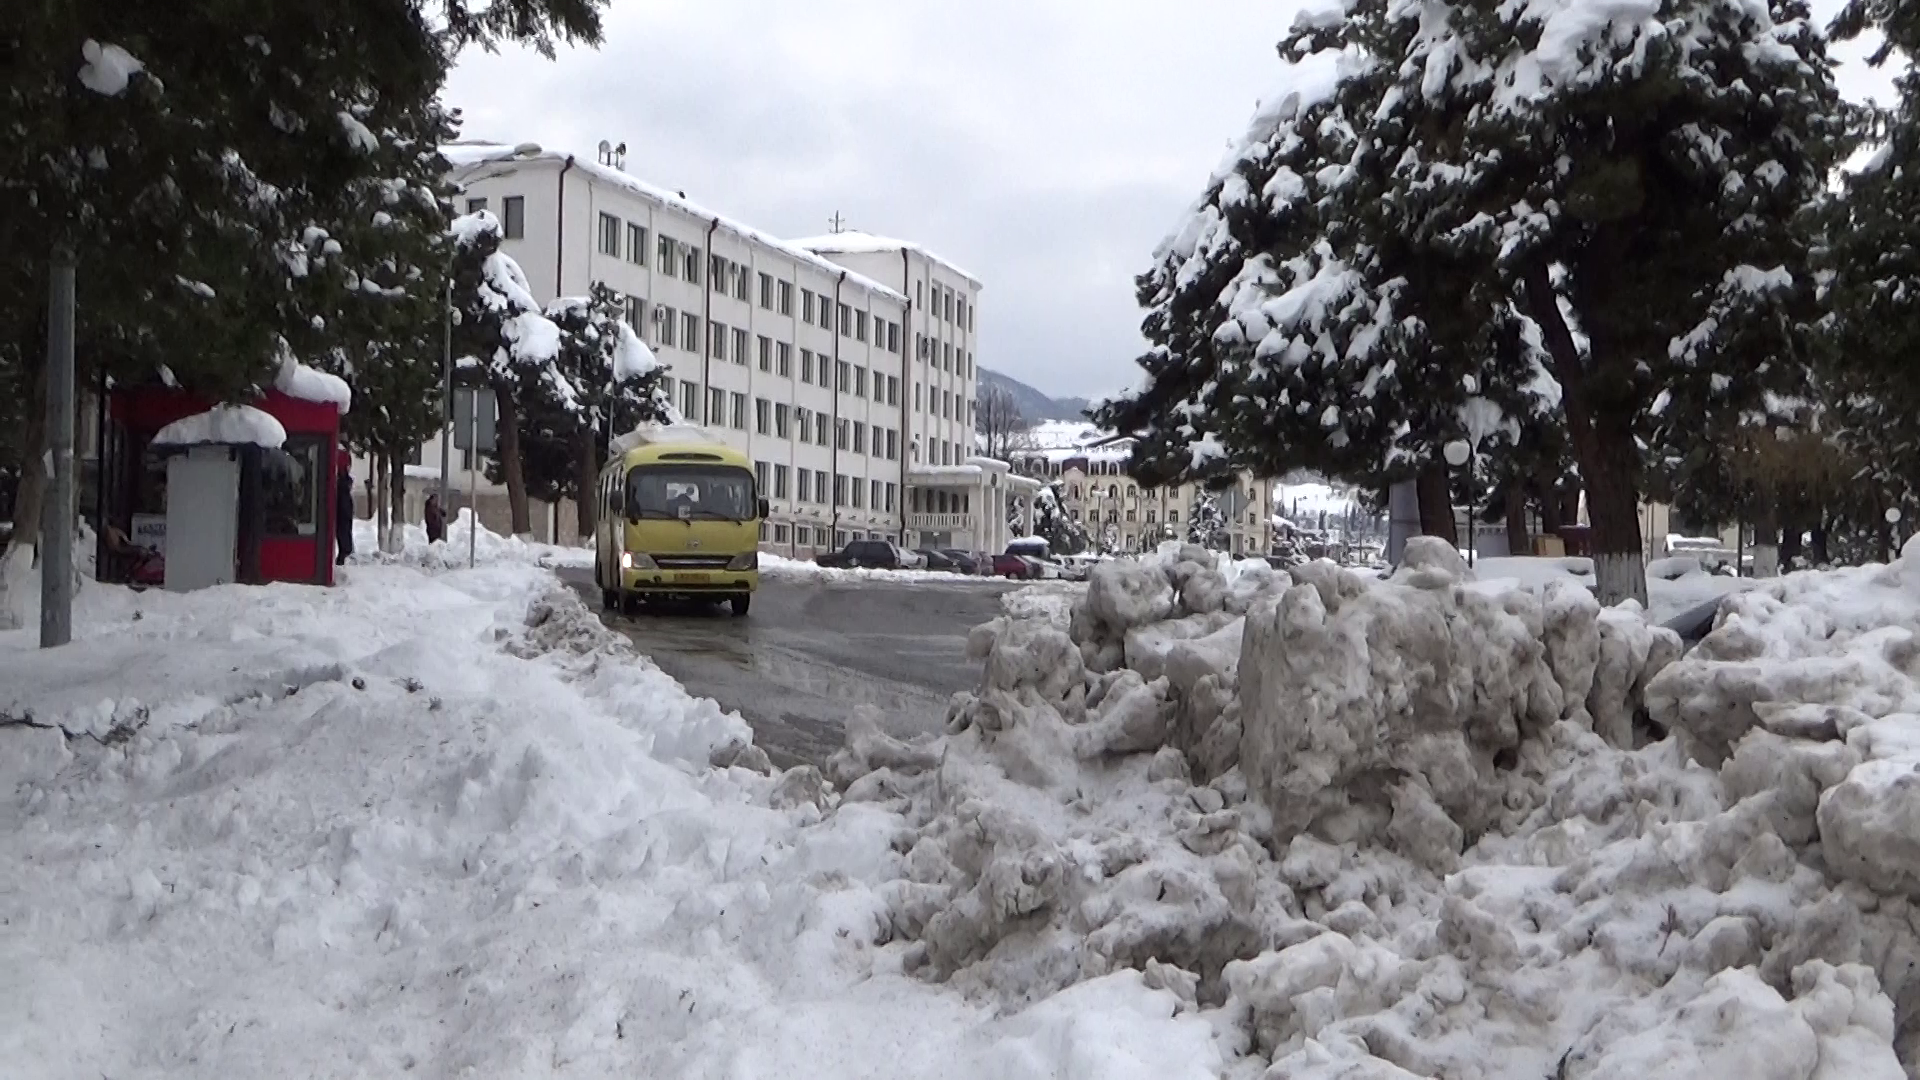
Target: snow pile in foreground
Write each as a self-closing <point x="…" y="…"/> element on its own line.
<point x="1674" y="585"/>
<point x="1424" y="827"/>
<point x="489" y="547"/>
<point x="447" y="824"/>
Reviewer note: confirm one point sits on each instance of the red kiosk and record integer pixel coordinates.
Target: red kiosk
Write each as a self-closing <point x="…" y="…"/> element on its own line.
<point x="283" y="497"/>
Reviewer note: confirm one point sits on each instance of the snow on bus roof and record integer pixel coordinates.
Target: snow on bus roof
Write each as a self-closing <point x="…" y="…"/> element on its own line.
<point x="665" y="434"/>
<point x="463" y="154"/>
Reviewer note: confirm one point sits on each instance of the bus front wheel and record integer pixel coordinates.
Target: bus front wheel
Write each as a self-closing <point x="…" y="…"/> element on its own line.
<point x="740" y="605"/>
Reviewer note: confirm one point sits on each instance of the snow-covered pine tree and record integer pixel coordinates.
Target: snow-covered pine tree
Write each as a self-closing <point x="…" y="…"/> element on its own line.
<point x="1291" y="327"/>
<point x="1639" y="178"/>
<point x="615" y="385"/>
<point x="503" y="341"/>
<point x="1206" y="525"/>
<point x="1874" y="263"/>
<point x="1052" y="523"/>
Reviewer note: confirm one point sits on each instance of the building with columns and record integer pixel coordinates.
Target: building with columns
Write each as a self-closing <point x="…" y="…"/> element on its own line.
<point x="842" y="365"/>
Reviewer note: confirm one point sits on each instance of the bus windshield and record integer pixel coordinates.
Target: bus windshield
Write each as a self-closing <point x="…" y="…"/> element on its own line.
<point x="690" y="492"/>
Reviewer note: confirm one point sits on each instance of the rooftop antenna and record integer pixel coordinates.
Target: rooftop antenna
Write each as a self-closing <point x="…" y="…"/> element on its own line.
<point x="836" y="223"/>
<point x="620" y="156"/>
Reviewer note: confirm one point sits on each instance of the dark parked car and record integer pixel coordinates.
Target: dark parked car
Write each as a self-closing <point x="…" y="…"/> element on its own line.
<point x="964" y="562"/>
<point x="1014" y="566"/>
<point x="875" y="555"/>
<point x="936" y="560"/>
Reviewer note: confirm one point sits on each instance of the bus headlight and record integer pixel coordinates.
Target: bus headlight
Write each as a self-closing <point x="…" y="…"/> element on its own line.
<point x="749" y="561"/>
<point x="636" y="560"/>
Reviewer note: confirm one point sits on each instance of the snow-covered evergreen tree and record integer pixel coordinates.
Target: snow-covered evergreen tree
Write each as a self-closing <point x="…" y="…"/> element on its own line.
<point x="1051" y="522"/>
<point x="1206" y="525"/>
<point x="503" y="340"/>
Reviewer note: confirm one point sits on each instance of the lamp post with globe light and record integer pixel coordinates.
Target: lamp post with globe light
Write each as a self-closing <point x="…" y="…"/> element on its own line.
<point x="1893" y="521"/>
<point x="1459" y="452"/>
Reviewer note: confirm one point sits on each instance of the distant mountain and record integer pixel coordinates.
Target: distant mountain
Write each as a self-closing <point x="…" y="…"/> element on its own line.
<point x="1035" y="406"/>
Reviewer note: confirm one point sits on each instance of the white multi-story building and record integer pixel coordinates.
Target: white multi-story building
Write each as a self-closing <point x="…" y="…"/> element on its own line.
<point x="842" y="365"/>
<point x="1121" y="515"/>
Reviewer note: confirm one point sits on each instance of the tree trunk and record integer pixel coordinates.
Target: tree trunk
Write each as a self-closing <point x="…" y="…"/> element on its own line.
<point x="394" y="539"/>
<point x="1766" y="537"/>
<point x="1603" y="444"/>
<point x="509" y="436"/>
<point x="1820" y="555"/>
<point x="1517" y="521"/>
<point x="1436" y="505"/>
<point x="586" y="461"/>
<point x="1792" y="543"/>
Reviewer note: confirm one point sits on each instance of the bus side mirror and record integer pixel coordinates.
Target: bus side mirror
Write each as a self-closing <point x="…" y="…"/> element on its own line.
<point x="763" y="508"/>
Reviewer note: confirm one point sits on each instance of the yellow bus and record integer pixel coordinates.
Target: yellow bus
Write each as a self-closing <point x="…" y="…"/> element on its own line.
<point x="679" y="519"/>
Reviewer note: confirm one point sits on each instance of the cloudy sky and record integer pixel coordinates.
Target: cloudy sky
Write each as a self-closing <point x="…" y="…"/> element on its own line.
<point x="1044" y="145"/>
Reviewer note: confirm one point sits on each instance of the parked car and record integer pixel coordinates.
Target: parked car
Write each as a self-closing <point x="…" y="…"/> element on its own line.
<point x="936" y="560"/>
<point x="874" y="555"/>
<point x="1078" y="567"/>
<point x="1018" y="567"/>
<point x="964" y="562"/>
<point x="1045" y="569"/>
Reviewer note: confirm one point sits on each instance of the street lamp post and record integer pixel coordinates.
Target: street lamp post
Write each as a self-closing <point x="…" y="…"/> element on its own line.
<point x="1458" y="453"/>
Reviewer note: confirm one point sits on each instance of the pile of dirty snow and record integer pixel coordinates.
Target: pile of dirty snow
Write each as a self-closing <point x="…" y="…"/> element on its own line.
<point x="1434" y="827"/>
<point x="489" y="548"/>
<point x="447" y="824"/>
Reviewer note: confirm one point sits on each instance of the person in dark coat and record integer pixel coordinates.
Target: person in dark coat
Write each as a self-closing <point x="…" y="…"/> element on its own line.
<point x="343" y="512"/>
<point x="436" y="520"/>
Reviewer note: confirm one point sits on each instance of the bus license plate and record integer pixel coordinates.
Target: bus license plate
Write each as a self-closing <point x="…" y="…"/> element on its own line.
<point x="696" y="579"/>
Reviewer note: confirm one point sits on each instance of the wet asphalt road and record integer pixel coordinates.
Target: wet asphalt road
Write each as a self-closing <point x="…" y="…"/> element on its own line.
<point x="812" y="651"/>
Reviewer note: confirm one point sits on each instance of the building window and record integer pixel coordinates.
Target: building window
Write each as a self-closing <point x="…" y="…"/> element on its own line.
<point x="840" y="434"/>
<point x="636" y="244"/>
<point x="946" y="404"/>
<point x="802" y="477"/>
<point x="820" y="428"/>
<point x="740" y="279"/>
<point x="717" y="271"/>
<point x="474" y="206"/>
<point x="859" y="382"/>
<point x="860" y="326"/>
<point x="893" y="445"/>
<point x="665" y="319"/>
<point x="947" y="306"/>
<point x="635" y="309"/>
<point x="717" y="340"/>
<point x="716" y="406"/>
<point x="780" y="482"/>
<point x="762" y="416"/>
<point x="806" y="365"/>
<point x="513" y="217"/>
<point x="970" y="312"/>
<point x="879" y="387"/>
<point x="762" y="475"/>
<point x="839" y="537"/>
<point x="806" y="306"/>
<point x="893" y="389"/>
<point x="740" y="339"/>
<point x="663" y="254"/>
<point x="609" y="235"/>
<point x="874" y="492"/>
<point x="690" y="331"/>
<point x="859" y="494"/>
<point x="859" y="438"/>
<point x="920" y="294"/>
<point x="893" y="337"/>
<point x="917" y="407"/>
<point x="891" y="492"/>
<point x="839" y="489"/>
<point x="690" y="264"/>
<point x="690" y="401"/>
<point x="846" y="376"/>
<point x="785" y="293"/>
<point x="846" y="315"/>
<point x="782" y="420"/>
<point x="879" y="441"/>
<point x="946" y="356"/>
<point x="783" y="354"/>
<point x="766" y="353"/>
<point x="961" y="308"/>
<point x="826" y="313"/>
<point x="780" y="531"/>
<point x="739" y="403"/>
<point x="766" y="291"/>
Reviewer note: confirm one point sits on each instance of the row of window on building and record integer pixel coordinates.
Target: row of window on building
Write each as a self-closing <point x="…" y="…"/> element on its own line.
<point x="1173" y="516"/>
<point x="811" y="486"/>
<point x="813" y="536"/>
<point x="948" y="306"/>
<point x="675" y="258"/>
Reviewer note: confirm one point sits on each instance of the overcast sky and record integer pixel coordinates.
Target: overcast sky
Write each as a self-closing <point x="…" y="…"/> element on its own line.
<point x="1044" y="145"/>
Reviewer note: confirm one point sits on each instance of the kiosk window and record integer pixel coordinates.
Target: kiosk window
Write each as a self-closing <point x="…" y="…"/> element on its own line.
<point x="290" y="488"/>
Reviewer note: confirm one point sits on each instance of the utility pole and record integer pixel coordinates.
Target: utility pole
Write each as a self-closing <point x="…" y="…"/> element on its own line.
<point x="56" y="513"/>
<point x="446" y="399"/>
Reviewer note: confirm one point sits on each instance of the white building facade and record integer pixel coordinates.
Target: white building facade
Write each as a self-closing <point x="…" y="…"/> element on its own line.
<point x="837" y="371"/>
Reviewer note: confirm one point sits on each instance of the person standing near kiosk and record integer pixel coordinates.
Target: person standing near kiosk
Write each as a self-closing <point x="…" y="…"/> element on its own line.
<point x="343" y="510"/>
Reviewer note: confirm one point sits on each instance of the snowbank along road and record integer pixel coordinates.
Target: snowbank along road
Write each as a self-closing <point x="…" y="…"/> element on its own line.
<point x="815" y="650"/>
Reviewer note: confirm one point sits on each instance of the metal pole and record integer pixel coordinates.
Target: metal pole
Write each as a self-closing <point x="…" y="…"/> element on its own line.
<point x="473" y="476"/>
<point x="446" y="400"/>
<point x="56" y="513"/>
